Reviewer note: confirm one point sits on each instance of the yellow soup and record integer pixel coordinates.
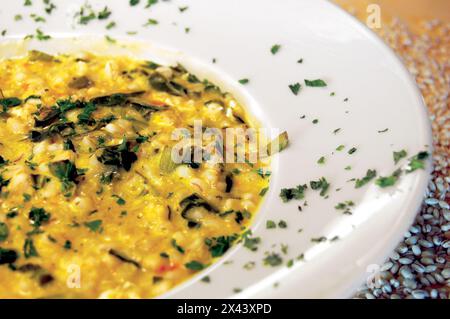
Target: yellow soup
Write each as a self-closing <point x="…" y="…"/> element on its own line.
<point x="91" y="202"/>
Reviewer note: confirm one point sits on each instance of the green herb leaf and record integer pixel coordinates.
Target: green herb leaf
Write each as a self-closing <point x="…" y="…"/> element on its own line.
<point x="417" y="161"/>
<point x="370" y="174"/>
<point x="322" y="185"/>
<point x="249" y="242"/>
<point x="219" y="245"/>
<point x="29" y="249"/>
<point x="388" y="180"/>
<point x="270" y="224"/>
<point x="273" y="260"/>
<point x="8" y="256"/>
<point x="399" y="155"/>
<point x="177" y="247"/>
<point x="94" y="226"/>
<point x="295" y="88"/>
<point x="298" y="192"/>
<point x="195" y="265"/>
<point x="275" y="48"/>
<point x="4" y="231"/>
<point x="315" y="83"/>
<point x="38" y="216"/>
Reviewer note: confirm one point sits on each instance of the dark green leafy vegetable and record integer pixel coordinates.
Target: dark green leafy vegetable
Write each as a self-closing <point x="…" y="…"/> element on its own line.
<point x="273" y="260"/>
<point x="315" y="83"/>
<point x="295" y="88"/>
<point x="119" y="156"/>
<point x="94" y="226"/>
<point x="3" y="162"/>
<point x="250" y="242"/>
<point x="352" y="150"/>
<point x="29" y="250"/>
<point x="288" y="194"/>
<point x="8" y="256"/>
<point x="270" y="224"/>
<point x="63" y="129"/>
<point x="38" y="216"/>
<point x="124" y="258"/>
<point x="68" y="245"/>
<point x="370" y="174"/>
<point x="219" y="245"/>
<point x="3" y="182"/>
<point x="85" y="117"/>
<point x="6" y="103"/>
<point x="275" y="48"/>
<point x="388" y="180"/>
<point x="177" y="247"/>
<point x="229" y="183"/>
<point x="417" y="161"/>
<point x="4" y="231"/>
<point x="322" y="185"/>
<point x="160" y="83"/>
<point x="116" y="99"/>
<point x="66" y="172"/>
<point x="195" y="265"/>
<point x="399" y="155"/>
<point x="192" y="202"/>
<point x="104" y="14"/>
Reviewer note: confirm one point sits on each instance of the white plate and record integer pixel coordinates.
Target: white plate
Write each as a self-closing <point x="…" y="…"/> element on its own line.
<point x="335" y="47"/>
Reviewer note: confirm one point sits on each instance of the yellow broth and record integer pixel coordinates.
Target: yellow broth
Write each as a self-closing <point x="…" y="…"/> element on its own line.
<point x="85" y="210"/>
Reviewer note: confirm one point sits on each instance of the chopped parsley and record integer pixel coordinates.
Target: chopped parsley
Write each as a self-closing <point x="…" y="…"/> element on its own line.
<point x="7" y="256"/>
<point x="388" y="180"/>
<point x="297" y="192"/>
<point x="399" y="155"/>
<point x="417" y="162"/>
<point x="151" y="22"/>
<point x="322" y="185"/>
<point x="370" y="174"/>
<point x="41" y="36"/>
<point x="352" y="150"/>
<point x="270" y="224"/>
<point x="249" y="242"/>
<point x="321" y="160"/>
<point x="275" y="48"/>
<point x="38" y="216"/>
<point x="244" y="81"/>
<point x="94" y="226"/>
<point x="68" y="245"/>
<point x="282" y="224"/>
<point x="177" y="247"/>
<point x="295" y="88"/>
<point x="119" y="200"/>
<point x="104" y="14"/>
<point x="4" y="231"/>
<point x="29" y="250"/>
<point x="315" y="83"/>
<point x="273" y="260"/>
<point x="219" y="245"/>
<point x="195" y="265"/>
<point x="263" y="191"/>
<point x="345" y="206"/>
